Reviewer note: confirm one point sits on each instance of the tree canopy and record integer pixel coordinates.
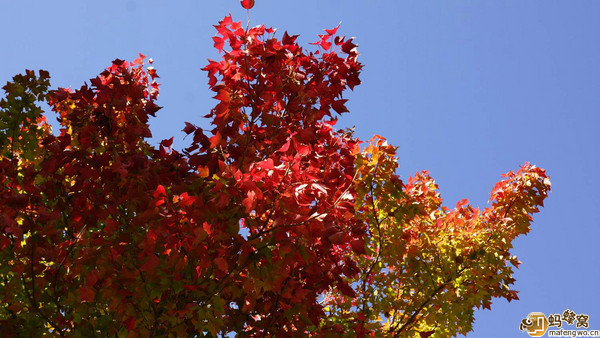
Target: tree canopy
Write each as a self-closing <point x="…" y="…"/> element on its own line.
<point x="273" y="222"/>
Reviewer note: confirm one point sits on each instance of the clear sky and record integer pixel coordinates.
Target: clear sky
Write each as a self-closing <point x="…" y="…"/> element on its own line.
<point x="468" y="90"/>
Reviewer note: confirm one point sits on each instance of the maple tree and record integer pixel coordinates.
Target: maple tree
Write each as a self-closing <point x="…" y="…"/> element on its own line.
<point x="273" y="222"/>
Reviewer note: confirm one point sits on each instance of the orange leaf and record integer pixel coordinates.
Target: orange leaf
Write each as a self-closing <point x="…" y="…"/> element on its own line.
<point x="223" y="96"/>
<point x="215" y="140"/>
<point x="203" y="171"/>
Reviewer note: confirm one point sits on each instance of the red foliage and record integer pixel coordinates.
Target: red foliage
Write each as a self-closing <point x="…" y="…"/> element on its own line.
<point x="248" y="226"/>
<point x="244" y="231"/>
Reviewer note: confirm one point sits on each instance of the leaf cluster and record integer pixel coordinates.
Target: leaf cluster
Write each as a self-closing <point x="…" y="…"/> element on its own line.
<point x="271" y="223"/>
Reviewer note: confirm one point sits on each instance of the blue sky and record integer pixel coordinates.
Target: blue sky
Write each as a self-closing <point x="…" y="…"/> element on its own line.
<point x="468" y="90"/>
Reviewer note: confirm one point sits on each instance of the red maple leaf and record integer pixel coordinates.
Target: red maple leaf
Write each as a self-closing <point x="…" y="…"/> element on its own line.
<point x="247" y="4"/>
